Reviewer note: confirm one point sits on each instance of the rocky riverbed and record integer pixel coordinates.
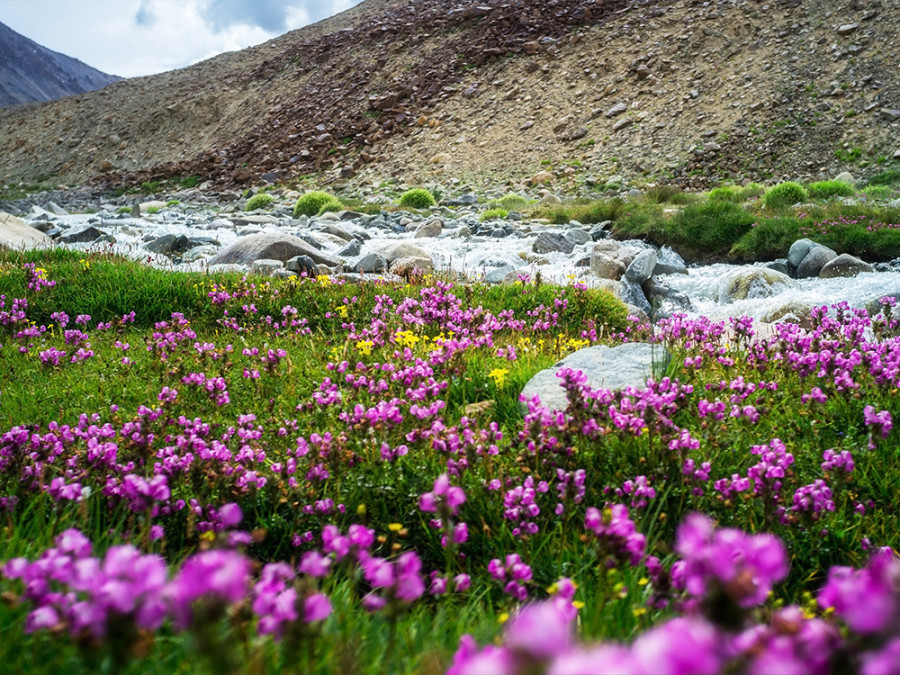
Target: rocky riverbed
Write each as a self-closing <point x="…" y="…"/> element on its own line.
<point x="198" y="232"/>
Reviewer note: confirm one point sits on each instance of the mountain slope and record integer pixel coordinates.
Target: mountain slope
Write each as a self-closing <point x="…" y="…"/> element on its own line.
<point x="689" y="91"/>
<point x="30" y="72"/>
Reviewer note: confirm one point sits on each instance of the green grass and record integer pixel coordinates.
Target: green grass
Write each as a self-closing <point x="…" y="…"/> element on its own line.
<point x="830" y="188"/>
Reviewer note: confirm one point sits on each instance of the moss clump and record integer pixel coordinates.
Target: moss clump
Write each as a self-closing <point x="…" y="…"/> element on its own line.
<point x="494" y="214"/>
<point x="830" y="188"/>
<point x="333" y="204"/>
<point x="510" y="202"/>
<point x="260" y="201"/>
<point x="311" y="203"/>
<point x="726" y="193"/>
<point x="417" y="198"/>
<point x="785" y="194"/>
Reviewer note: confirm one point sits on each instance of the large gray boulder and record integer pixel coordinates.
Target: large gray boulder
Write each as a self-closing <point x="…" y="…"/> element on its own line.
<point x="814" y="261"/>
<point x="402" y="249"/>
<point x="633" y="294"/>
<point x="626" y="365"/>
<point x="748" y="283"/>
<point x="798" y="252"/>
<point x="606" y="267"/>
<point x="15" y="234"/>
<point x="641" y="268"/>
<point x="845" y="265"/>
<point x="550" y="242"/>
<point x="271" y="246"/>
<point x="669" y="262"/>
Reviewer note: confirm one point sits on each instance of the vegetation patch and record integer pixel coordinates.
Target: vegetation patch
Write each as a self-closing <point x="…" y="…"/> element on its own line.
<point x="259" y="201"/>
<point x="785" y="194"/>
<point x="417" y="198"/>
<point x="311" y="203"/>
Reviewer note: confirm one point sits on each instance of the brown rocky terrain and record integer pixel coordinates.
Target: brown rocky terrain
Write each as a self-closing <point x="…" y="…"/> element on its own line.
<point x="577" y="92"/>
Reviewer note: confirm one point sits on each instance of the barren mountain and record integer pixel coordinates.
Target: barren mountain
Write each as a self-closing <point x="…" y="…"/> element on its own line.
<point x="688" y="91"/>
<point x="30" y="72"/>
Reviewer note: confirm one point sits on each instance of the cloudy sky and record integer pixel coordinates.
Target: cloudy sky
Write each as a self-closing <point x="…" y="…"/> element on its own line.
<point x="143" y="37"/>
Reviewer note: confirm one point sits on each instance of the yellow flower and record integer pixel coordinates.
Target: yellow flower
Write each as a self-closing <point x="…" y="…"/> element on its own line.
<point x="498" y="375"/>
<point x="361" y="510"/>
<point x="578" y="604"/>
<point x="342" y="310"/>
<point x="503" y="618"/>
<point x="406" y="338"/>
<point x="395" y="527"/>
<point x="364" y="347"/>
<point x="639" y="611"/>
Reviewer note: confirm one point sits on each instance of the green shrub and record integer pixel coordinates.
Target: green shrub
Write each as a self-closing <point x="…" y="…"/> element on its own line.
<point x="583" y="210"/>
<point x="726" y="193"/>
<point x="494" y="214"/>
<point x="417" y="198"/>
<point x="770" y="238"/>
<point x="510" y="202"/>
<point x="752" y="190"/>
<point x="333" y="204"/>
<point x="889" y="177"/>
<point x="311" y="203"/>
<point x="878" y="192"/>
<point x="123" y="209"/>
<point x="153" y="209"/>
<point x="709" y="229"/>
<point x="785" y="194"/>
<point x="830" y="188"/>
<point x="173" y="202"/>
<point x="662" y="194"/>
<point x="259" y="201"/>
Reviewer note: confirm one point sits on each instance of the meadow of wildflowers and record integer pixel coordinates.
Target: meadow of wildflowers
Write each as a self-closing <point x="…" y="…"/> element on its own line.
<point x="311" y="475"/>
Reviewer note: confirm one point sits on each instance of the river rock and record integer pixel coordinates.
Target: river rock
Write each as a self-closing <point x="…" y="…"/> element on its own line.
<point x="814" y="261"/>
<point x="578" y="236"/>
<point x="402" y="249"/>
<point x="796" y="312"/>
<point x="633" y="294"/>
<point x="273" y="246"/>
<point x="351" y="250"/>
<point x="798" y="252"/>
<point x="606" y="267"/>
<point x="498" y="274"/>
<point x="371" y="263"/>
<point x="303" y="265"/>
<point x="626" y="365"/>
<point x="639" y="314"/>
<point x="407" y="267"/>
<point x="169" y="243"/>
<point x="845" y="265"/>
<point x="15" y="234"/>
<point x="669" y="262"/>
<point x="550" y="242"/>
<point x="780" y="265"/>
<point x="82" y="236"/>
<point x="337" y="231"/>
<point x="431" y="228"/>
<point x="641" y="267"/>
<point x="752" y="282"/>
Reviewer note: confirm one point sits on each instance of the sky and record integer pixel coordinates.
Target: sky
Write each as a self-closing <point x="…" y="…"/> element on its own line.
<point x="143" y="37"/>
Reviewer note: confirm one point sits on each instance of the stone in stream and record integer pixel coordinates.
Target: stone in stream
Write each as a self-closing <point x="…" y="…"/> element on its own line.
<point x="302" y="265"/>
<point x="814" y="261"/>
<point x="626" y="365"/>
<point x="265" y="267"/>
<point x="169" y="243"/>
<point x="549" y="242"/>
<point x="641" y="268"/>
<point x="271" y="245"/>
<point x="16" y="235"/>
<point x="402" y="249"/>
<point x="82" y="236"/>
<point x="409" y="267"/>
<point x="845" y="265"/>
<point x="351" y="250"/>
<point x="371" y="263"/>
<point x="752" y="282"/>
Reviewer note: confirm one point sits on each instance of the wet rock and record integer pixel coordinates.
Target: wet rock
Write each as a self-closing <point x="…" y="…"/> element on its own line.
<point x="845" y="265"/>
<point x="814" y="261"/>
<point x="351" y="250"/>
<point x="169" y="244"/>
<point x="753" y="282"/>
<point x="265" y="267"/>
<point x="402" y="249"/>
<point x="627" y="365"/>
<point x="633" y="294"/>
<point x="371" y="263"/>
<point x="578" y="236"/>
<point x="82" y="236"/>
<point x="798" y="252"/>
<point x="641" y="267"/>
<point x="411" y="267"/>
<point x="431" y="228"/>
<point x="780" y="265"/>
<point x="550" y="242"/>
<point x="303" y="265"/>
<point x="669" y="262"/>
<point x="606" y="267"/>
<point x="795" y="312"/>
<point x="271" y="245"/>
<point x="499" y="274"/>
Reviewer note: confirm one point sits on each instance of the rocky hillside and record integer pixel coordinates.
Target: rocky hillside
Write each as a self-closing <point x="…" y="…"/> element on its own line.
<point x="30" y="72"/>
<point x="577" y="92"/>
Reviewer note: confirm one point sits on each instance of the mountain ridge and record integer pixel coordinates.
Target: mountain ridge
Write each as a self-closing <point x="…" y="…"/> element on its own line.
<point x="590" y="92"/>
<point x="30" y="72"/>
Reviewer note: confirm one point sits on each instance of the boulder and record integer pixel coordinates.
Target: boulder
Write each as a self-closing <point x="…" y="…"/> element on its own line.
<point x="170" y="243"/>
<point x="351" y="250"/>
<point x="498" y="274"/>
<point x="407" y="267"/>
<point x="273" y="246"/>
<point x="402" y="249"/>
<point x="669" y="262"/>
<point x="265" y="267"/>
<point x="796" y="312"/>
<point x="431" y="228"/>
<point x="302" y="265"/>
<point x="780" y="265"/>
<point x="846" y="177"/>
<point x="606" y="267"/>
<point x="798" y="252"/>
<point x="15" y="234"/>
<point x="641" y="267"/>
<point x="845" y="265"/>
<point x="633" y="294"/>
<point x="82" y="236"/>
<point x="752" y="282"/>
<point x="814" y="261"/>
<point x="626" y="365"/>
<point x="371" y="263"/>
<point x="337" y="231"/>
<point x="550" y="242"/>
<point x="578" y="236"/>
<point x="638" y="314"/>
